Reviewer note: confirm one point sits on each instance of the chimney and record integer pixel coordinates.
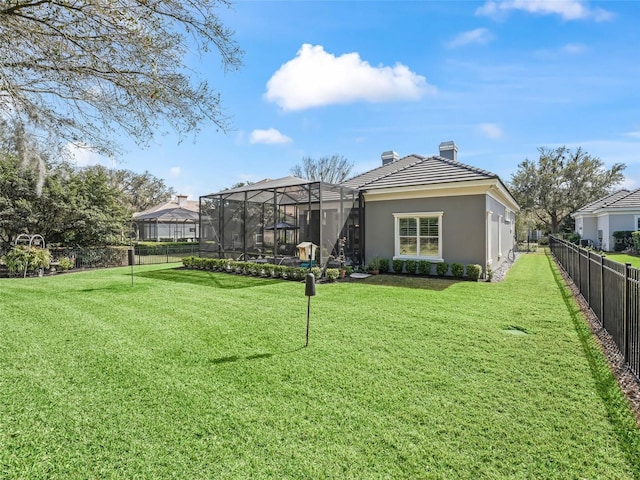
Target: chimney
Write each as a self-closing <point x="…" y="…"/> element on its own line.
<point x="449" y="150"/>
<point x="182" y="200"/>
<point x="389" y="157"/>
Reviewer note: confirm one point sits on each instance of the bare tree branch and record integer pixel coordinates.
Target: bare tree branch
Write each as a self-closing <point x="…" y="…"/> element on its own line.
<point x="81" y="70"/>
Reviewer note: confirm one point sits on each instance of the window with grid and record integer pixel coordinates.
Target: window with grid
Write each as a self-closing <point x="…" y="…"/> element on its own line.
<point x="418" y="235"/>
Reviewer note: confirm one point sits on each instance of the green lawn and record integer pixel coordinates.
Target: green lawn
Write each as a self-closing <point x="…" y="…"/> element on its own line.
<point x="634" y="260"/>
<point x="192" y="374"/>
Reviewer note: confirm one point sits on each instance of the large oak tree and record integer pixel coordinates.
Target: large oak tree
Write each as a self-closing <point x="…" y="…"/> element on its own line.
<point x="81" y="70"/>
<point x="560" y="182"/>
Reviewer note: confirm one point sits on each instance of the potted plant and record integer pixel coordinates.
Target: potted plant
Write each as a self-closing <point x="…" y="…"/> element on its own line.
<point x="374" y="266"/>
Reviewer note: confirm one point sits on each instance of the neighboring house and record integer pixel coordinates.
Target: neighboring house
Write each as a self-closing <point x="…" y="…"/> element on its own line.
<point x="423" y="208"/>
<point x="175" y="220"/>
<point x="597" y="221"/>
<point x="437" y="209"/>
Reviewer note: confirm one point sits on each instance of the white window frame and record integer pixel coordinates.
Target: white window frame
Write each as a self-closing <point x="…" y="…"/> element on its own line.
<point x="416" y="215"/>
<point x="635" y="222"/>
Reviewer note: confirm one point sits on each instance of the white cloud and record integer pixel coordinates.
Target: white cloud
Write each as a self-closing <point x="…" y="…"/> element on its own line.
<point x="316" y="78"/>
<point x="175" y="171"/>
<point x="480" y="36"/>
<point x="270" y="136"/>
<point x="574" y="48"/>
<point x="84" y="156"/>
<point x="567" y="9"/>
<point x="628" y="183"/>
<point x="490" y="130"/>
<point x="633" y="134"/>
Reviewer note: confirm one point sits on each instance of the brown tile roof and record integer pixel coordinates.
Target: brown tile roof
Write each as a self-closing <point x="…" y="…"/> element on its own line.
<point x="417" y="170"/>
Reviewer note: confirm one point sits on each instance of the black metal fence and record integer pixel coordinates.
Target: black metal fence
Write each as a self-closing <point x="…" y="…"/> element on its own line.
<point x="161" y="254"/>
<point x="96" y="257"/>
<point x="612" y="290"/>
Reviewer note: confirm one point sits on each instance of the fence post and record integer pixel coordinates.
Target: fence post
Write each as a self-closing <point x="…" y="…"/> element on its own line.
<point x="626" y="316"/>
<point x="588" y="276"/>
<point x="602" y="290"/>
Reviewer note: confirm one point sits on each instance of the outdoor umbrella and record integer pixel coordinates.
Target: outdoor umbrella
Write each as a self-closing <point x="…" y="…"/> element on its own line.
<point x="282" y="226"/>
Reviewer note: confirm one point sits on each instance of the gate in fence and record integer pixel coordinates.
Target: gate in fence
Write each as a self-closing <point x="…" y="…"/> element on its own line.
<point x="612" y="290"/>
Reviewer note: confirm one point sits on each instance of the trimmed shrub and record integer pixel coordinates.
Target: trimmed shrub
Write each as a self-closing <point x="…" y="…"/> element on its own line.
<point x="383" y="265"/>
<point x="189" y="262"/>
<point x="457" y="270"/>
<point x="622" y="239"/>
<point x="397" y="265"/>
<point x="636" y="241"/>
<point x="332" y="274"/>
<point x="410" y="266"/>
<point x="267" y="268"/>
<point x="65" y="263"/>
<point x="424" y="267"/>
<point x="473" y="272"/>
<point x="317" y="272"/>
<point x="543" y="241"/>
<point x="277" y="271"/>
<point x="442" y="268"/>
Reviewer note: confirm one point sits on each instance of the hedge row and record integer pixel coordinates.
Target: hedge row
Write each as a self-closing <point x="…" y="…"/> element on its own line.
<point x="267" y="270"/>
<point x="423" y="267"/>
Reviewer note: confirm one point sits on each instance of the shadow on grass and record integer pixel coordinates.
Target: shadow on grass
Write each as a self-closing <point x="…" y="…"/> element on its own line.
<point x="619" y="413"/>
<point x="426" y="283"/>
<point x="202" y="277"/>
<point x="257" y="356"/>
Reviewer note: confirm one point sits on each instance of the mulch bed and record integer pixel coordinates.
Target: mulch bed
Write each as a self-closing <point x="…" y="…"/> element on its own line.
<point x="629" y="383"/>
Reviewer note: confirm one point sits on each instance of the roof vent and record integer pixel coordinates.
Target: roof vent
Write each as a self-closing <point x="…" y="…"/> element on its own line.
<point x="389" y="157"/>
<point x="449" y="150"/>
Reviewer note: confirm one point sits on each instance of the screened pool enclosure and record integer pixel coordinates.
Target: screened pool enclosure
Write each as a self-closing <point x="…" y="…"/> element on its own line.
<point x="266" y="221"/>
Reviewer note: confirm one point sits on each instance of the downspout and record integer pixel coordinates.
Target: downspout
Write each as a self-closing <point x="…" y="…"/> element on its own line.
<point x="361" y="221"/>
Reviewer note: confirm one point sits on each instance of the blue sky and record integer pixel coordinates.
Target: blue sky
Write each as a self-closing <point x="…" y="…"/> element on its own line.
<point x="500" y="78"/>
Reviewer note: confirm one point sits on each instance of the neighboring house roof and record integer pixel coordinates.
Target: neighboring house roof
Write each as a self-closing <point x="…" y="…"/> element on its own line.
<point x="169" y="215"/>
<point x="415" y="170"/>
<point x="178" y="208"/>
<point x="620" y="200"/>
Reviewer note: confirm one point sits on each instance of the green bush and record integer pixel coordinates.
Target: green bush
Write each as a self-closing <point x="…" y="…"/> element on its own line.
<point x="65" y="263"/>
<point x="473" y="272"/>
<point x="267" y="269"/>
<point x="457" y="270"/>
<point x="424" y="267"/>
<point x="622" y="239"/>
<point x="33" y="259"/>
<point x="332" y="274"/>
<point x="190" y="261"/>
<point x="573" y="238"/>
<point x="383" y="265"/>
<point x="410" y="266"/>
<point x="317" y="272"/>
<point x="543" y="241"/>
<point x="397" y="265"/>
<point x="442" y="268"/>
<point x="636" y="241"/>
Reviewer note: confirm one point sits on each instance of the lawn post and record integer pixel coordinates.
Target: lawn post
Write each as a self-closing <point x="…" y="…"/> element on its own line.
<point x="309" y="291"/>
